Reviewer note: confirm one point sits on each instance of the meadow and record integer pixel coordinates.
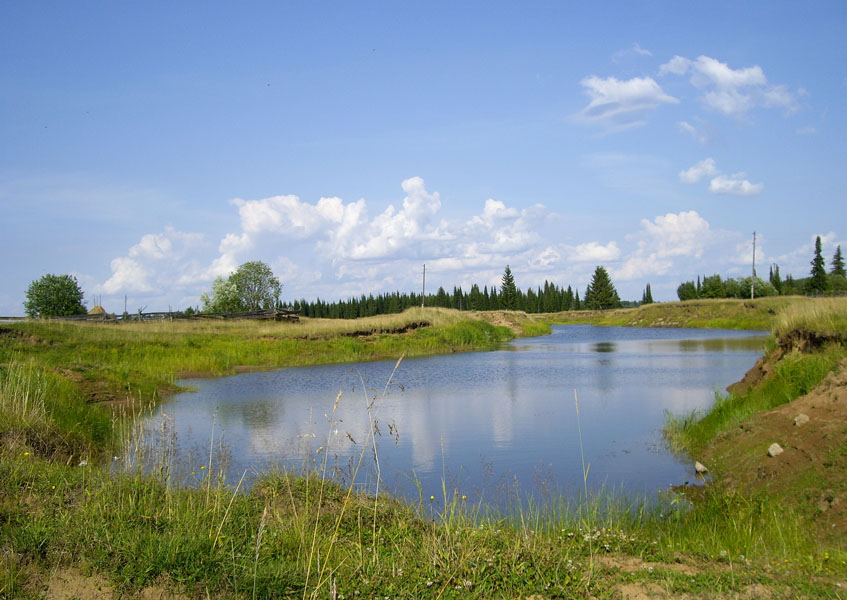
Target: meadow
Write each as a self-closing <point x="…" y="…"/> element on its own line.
<point x="76" y="510"/>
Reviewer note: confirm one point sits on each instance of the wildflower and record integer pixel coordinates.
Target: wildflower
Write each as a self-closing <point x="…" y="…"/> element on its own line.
<point x="26" y="453"/>
<point x="431" y="498"/>
<point x="53" y="488"/>
<point x="83" y="463"/>
<point x="464" y="497"/>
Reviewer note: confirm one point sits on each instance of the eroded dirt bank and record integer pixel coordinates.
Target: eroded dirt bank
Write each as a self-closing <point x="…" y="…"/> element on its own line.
<point x="810" y="475"/>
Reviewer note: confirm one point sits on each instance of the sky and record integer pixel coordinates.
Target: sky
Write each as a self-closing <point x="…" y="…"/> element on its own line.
<point x="147" y="148"/>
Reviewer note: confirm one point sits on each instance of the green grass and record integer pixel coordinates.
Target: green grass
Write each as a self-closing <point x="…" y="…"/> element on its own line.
<point x="305" y="536"/>
<point x="758" y="314"/>
<point x="794" y="375"/>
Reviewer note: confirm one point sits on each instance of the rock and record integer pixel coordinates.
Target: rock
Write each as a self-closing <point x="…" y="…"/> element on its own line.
<point x="801" y="419"/>
<point x="775" y="450"/>
<point x="700" y="468"/>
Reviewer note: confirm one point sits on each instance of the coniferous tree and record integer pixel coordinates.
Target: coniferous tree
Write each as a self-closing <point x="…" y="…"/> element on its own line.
<point x="601" y="293"/>
<point x="687" y="291"/>
<point x="817" y="280"/>
<point x="838" y="263"/>
<point x="508" y="291"/>
<point x="775" y="279"/>
<point x="647" y="297"/>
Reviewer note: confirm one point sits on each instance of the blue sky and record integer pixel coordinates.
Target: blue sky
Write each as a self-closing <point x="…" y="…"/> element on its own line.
<point x="149" y="147"/>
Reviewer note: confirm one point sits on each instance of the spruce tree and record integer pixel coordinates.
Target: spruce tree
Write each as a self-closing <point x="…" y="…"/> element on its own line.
<point x="838" y="263"/>
<point x="647" y="297"/>
<point x="775" y="279"/>
<point x="817" y="280"/>
<point x="508" y="291"/>
<point x="600" y="293"/>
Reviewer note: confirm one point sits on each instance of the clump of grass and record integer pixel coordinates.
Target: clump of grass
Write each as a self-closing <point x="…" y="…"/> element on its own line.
<point x="825" y="317"/>
<point x="794" y="375"/>
<point x="44" y="412"/>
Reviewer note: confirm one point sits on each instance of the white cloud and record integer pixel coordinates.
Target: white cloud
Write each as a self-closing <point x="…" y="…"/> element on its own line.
<point x="733" y="92"/>
<point x="735" y="185"/>
<point x="154" y="258"/>
<point x="619" y="102"/>
<point x="634" y="50"/>
<point x="592" y="252"/>
<point x="704" y="168"/>
<point x="660" y="241"/>
<point x="677" y="65"/>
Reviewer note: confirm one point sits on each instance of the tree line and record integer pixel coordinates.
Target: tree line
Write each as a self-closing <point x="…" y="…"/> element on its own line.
<point x="819" y="282"/>
<point x="253" y="286"/>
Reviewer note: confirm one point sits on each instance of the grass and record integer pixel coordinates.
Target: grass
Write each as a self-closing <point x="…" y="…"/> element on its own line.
<point x="758" y="314"/>
<point x="794" y="375"/>
<point x="303" y="535"/>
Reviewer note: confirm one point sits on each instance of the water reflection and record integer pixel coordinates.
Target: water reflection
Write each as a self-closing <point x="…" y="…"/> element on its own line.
<point x="484" y="421"/>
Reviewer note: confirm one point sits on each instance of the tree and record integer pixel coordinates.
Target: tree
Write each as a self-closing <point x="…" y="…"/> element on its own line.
<point x="54" y="296"/>
<point x="838" y="263"/>
<point x="817" y="280"/>
<point x="253" y="286"/>
<point x="687" y="291"/>
<point x="647" y="297"/>
<point x="775" y="279"/>
<point x="508" y="291"/>
<point x="712" y="287"/>
<point x="601" y="293"/>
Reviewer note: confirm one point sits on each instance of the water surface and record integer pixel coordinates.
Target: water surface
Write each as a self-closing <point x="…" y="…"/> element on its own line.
<point x="488" y="424"/>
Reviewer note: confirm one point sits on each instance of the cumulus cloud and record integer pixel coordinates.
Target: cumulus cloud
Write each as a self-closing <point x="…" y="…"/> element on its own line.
<point x="152" y="260"/>
<point x="621" y="102"/>
<point x="704" y="168"/>
<point x="735" y="185"/>
<point x="660" y="241"/>
<point x="592" y="252"/>
<point x="733" y="92"/>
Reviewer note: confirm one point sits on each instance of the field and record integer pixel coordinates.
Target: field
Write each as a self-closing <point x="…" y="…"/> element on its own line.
<point x="78" y="520"/>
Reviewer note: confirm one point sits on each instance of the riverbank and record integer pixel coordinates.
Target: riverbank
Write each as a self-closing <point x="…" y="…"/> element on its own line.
<point x="759" y="314"/>
<point x="69" y="528"/>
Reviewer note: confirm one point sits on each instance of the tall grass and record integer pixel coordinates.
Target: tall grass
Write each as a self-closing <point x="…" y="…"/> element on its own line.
<point x="826" y="317"/>
<point x="793" y="376"/>
<point x="43" y="412"/>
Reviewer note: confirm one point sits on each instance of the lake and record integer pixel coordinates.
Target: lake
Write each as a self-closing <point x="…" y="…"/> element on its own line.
<point x="492" y="425"/>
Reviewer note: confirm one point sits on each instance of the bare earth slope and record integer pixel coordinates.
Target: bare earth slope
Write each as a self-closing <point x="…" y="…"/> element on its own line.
<point x="811" y="474"/>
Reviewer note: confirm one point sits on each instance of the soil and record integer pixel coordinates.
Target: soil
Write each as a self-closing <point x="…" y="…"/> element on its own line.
<point x="810" y="475"/>
<point x="70" y="584"/>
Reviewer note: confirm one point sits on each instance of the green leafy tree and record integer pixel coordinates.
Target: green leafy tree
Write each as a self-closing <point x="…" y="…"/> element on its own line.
<point x="712" y="287"/>
<point x="817" y="279"/>
<point x="687" y="290"/>
<point x="838" y="263"/>
<point x="508" y="291"/>
<point x="54" y="296"/>
<point x="601" y="293"/>
<point x="253" y="286"/>
<point x="647" y="297"/>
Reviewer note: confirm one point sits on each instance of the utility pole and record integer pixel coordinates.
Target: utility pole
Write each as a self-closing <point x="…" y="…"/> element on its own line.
<point x="423" y="286"/>
<point x="753" y="279"/>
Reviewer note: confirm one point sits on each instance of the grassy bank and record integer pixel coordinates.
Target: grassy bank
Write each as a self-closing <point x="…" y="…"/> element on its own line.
<point x="69" y="524"/>
<point x="760" y="314"/>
